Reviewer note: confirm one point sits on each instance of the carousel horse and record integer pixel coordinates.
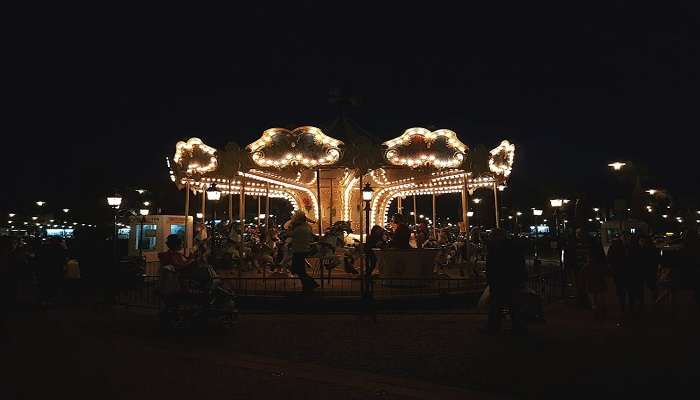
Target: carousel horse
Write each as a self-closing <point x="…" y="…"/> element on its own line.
<point x="329" y="243"/>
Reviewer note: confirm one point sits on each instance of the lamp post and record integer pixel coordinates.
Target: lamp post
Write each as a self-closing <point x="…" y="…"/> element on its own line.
<point x="477" y="201"/>
<point x="536" y="213"/>
<point x="367" y="197"/>
<point x="144" y="212"/>
<point x="213" y="194"/>
<point x="115" y="201"/>
<point x="556" y="205"/>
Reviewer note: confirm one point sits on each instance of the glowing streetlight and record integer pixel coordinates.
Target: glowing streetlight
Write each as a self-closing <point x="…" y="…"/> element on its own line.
<point x="476" y="200"/>
<point x="147" y="203"/>
<point x="144" y="211"/>
<point x="141" y="191"/>
<point x="213" y="193"/>
<point x="65" y="210"/>
<point x="470" y="214"/>
<point x="40" y="203"/>
<point x="536" y="212"/>
<point x="200" y="215"/>
<point x="12" y="215"/>
<point x="35" y="218"/>
<point x="518" y="213"/>
<point x="617" y="165"/>
<point x="114" y="200"/>
<point x="596" y="209"/>
<point x="556" y="202"/>
<point x="651" y="191"/>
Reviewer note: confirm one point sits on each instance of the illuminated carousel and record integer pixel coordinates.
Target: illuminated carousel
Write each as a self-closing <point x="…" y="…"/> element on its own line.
<point x="324" y="176"/>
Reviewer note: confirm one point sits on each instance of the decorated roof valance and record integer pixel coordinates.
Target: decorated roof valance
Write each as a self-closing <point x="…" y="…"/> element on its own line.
<point x="194" y="157"/>
<point x="306" y="146"/>
<point x="420" y="147"/>
<point x="501" y="159"/>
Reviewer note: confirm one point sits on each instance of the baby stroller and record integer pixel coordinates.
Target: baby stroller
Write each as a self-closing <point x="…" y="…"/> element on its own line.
<point x="193" y="298"/>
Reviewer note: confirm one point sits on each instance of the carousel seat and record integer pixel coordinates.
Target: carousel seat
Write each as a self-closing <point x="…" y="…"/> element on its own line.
<point x="406" y="268"/>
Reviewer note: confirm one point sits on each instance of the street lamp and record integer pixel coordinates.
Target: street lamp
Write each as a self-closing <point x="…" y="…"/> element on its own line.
<point x="65" y="210"/>
<point x="113" y="201"/>
<point x="651" y="191"/>
<point x="556" y="204"/>
<point x="144" y="211"/>
<point x="200" y="215"/>
<point x="476" y="200"/>
<point x="12" y="215"/>
<point x="214" y="194"/>
<point x="147" y="203"/>
<point x="617" y="165"/>
<point x="40" y="203"/>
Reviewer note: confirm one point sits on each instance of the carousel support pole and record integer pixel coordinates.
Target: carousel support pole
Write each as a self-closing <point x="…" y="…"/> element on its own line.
<point x="399" y="205"/>
<point x="434" y="219"/>
<point x="187" y="216"/>
<point x="330" y="213"/>
<point x="362" y="246"/>
<point x="415" y="212"/>
<point x="495" y="205"/>
<point x="465" y="218"/>
<point x="465" y="227"/>
<point x="204" y="206"/>
<point x="241" y="216"/>
<point x="267" y="210"/>
<point x="230" y="204"/>
<point x="258" y="216"/>
<point x="319" y="219"/>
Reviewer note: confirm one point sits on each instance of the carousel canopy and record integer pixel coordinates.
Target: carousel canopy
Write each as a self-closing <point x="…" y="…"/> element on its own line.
<point x="306" y="146"/>
<point x="420" y="147"/>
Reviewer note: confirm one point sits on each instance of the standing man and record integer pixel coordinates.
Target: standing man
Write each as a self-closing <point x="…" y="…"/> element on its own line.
<point x="505" y="273"/>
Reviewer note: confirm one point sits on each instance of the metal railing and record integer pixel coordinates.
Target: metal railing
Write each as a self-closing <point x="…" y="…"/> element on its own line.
<point x="546" y="284"/>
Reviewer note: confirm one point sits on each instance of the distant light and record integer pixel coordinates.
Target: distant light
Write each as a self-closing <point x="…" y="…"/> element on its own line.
<point x="544" y="220"/>
<point x="65" y="210"/>
<point x="596" y="209"/>
<point x="470" y="213"/>
<point x="35" y="218"/>
<point x="12" y="215"/>
<point x="40" y="203"/>
<point x="590" y="219"/>
<point x="146" y="203"/>
<point x="200" y="215"/>
<point x="556" y="202"/>
<point x="476" y="200"/>
<point x="144" y="211"/>
<point x="114" y="200"/>
<point x="536" y="212"/>
<point x="141" y="191"/>
<point x="651" y="191"/>
<point x="617" y="165"/>
<point x="664" y="216"/>
<point x="518" y="213"/>
<point x="510" y="217"/>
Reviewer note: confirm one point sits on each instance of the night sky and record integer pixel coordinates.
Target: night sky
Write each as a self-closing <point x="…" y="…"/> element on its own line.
<point x="98" y="98"/>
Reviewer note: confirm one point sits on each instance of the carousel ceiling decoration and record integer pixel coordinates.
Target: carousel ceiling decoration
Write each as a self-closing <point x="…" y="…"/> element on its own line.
<point x="195" y="157"/>
<point x="306" y="146"/>
<point x="420" y="147"/>
<point x="501" y="159"/>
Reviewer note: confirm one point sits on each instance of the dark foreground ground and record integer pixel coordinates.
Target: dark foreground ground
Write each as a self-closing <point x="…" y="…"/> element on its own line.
<point x="99" y="353"/>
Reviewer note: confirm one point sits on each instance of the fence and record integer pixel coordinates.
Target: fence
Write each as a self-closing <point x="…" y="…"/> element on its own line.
<point x="547" y="284"/>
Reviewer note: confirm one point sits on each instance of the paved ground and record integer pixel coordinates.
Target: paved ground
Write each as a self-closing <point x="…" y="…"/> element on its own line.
<point x="92" y="353"/>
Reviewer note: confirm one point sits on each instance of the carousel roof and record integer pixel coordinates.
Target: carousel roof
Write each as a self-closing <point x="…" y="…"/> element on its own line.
<point x="305" y="146"/>
<point x="420" y="147"/>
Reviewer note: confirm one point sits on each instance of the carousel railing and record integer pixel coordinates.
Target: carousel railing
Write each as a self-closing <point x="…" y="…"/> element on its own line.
<point x="546" y="284"/>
